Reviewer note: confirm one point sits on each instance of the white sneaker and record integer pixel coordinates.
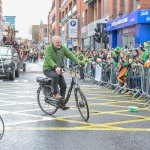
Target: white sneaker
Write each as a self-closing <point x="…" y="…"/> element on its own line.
<point x="129" y="92"/>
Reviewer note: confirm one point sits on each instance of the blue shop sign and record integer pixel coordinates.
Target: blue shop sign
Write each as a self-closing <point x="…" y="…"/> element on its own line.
<point x="69" y="43"/>
<point x="140" y="16"/>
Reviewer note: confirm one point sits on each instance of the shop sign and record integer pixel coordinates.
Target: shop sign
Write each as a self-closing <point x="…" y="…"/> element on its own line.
<point x="115" y="23"/>
<point x="73" y="28"/>
<point x="137" y="17"/>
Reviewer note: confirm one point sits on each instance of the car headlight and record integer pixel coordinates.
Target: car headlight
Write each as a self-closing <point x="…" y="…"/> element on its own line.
<point x="9" y="69"/>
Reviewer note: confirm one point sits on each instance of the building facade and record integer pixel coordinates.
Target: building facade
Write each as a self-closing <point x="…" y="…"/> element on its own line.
<point x="35" y="33"/>
<point x="94" y="16"/>
<point x="129" y="23"/>
<point x="43" y="37"/>
<point x="1" y="19"/>
<point x="54" y="17"/>
<point x="70" y="30"/>
<point x="76" y="20"/>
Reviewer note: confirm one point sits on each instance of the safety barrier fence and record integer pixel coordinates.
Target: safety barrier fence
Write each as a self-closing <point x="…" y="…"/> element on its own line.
<point x="105" y="74"/>
<point x="137" y="80"/>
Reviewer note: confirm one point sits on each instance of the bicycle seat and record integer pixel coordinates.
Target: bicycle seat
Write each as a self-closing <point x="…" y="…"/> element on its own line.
<point x="44" y="80"/>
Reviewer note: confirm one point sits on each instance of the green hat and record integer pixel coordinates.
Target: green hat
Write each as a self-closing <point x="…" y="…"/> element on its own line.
<point x="117" y="49"/>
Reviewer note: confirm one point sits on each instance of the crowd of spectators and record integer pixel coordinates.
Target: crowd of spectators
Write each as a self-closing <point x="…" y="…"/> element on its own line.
<point x="122" y="58"/>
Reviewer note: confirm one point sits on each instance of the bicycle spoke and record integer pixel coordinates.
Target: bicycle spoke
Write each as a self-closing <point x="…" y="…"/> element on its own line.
<point x="82" y="105"/>
<point x="43" y="102"/>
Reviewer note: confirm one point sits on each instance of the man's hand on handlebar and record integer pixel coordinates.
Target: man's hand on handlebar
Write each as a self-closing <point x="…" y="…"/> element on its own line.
<point x="58" y="70"/>
<point x="81" y="64"/>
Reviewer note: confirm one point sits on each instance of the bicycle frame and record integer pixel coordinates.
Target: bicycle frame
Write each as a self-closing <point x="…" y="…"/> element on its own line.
<point x="73" y="83"/>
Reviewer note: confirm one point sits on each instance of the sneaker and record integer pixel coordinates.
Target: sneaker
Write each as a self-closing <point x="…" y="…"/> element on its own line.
<point x="57" y="96"/>
<point x="123" y="92"/>
<point x="129" y="92"/>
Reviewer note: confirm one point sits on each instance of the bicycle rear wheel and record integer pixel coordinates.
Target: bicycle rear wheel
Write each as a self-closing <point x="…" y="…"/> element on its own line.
<point x="82" y="104"/>
<point x="42" y="97"/>
<point x="2" y="127"/>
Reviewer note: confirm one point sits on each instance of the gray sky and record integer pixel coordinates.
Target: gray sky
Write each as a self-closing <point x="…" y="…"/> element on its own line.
<point x="27" y="12"/>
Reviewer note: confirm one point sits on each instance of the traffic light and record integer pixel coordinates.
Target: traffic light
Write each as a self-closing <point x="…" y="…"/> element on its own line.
<point x="105" y="38"/>
<point x="97" y="36"/>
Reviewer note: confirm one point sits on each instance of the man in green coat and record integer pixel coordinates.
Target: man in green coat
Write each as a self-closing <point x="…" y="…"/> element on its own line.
<point x="54" y="62"/>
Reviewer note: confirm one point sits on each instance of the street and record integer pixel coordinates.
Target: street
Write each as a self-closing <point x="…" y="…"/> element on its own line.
<point x="111" y="126"/>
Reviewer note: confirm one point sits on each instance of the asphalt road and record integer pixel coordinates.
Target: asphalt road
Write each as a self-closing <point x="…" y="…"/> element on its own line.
<point x="111" y="126"/>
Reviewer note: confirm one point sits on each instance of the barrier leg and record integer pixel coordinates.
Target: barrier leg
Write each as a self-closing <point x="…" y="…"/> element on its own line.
<point x="119" y="90"/>
<point x="135" y="94"/>
<point x="115" y="89"/>
<point x="147" y="103"/>
<point x="108" y="86"/>
<point x="140" y="96"/>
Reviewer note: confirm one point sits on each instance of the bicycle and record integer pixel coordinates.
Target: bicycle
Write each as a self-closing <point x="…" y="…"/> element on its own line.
<point x="2" y="128"/>
<point x="45" y="92"/>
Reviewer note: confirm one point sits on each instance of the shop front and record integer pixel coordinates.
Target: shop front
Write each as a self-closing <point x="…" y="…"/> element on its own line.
<point x="130" y="30"/>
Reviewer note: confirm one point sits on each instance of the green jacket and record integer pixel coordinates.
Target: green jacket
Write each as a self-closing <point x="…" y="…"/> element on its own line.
<point x="51" y="57"/>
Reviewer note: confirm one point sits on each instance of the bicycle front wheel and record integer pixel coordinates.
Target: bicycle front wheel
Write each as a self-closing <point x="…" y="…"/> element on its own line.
<point x="82" y="104"/>
<point x="42" y="97"/>
<point x="1" y="128"/>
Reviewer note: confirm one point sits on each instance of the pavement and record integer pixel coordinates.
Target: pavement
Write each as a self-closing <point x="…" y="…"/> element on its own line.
<point x="34" y="66"/>
<point x="111" y="125"/>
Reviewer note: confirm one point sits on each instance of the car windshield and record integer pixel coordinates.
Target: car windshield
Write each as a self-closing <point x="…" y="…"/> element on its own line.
<point x="5" y="51"/>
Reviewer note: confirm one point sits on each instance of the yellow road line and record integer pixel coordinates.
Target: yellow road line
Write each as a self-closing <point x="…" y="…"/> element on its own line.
<point x="77" y="129"/>
<point x="127" y="121"/>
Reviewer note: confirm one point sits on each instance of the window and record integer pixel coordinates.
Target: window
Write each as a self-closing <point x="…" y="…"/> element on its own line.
<point x="53" y="19"/>
<point x="45" y="30"/>
<point x="75" y="2"/>
<point x="53" y="32"/>
<point x="5" y="51"/>
<point x="105" y="7"/>
<point x="53" y="5"/>
<point x="83" y="19"/>
<point x="70" y="6"/>
<point x="123" y="6"/>
<point x="63" y="14"/>
<point x="135" y="5"/>
<point x="115" y="8"/>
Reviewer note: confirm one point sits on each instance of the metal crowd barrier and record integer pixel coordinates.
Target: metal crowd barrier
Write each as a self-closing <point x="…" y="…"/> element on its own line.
<point x="102" y="74"/>
<point x="134" y="81"/>
<point x="144" y="78"/>
<point x="113" y="82"/>
<point x="138" y="75"/>
<point x="88" y="72"/>
<point x="148" y="88"/>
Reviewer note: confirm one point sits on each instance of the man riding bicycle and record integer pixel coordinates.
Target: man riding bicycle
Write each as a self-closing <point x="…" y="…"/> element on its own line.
<point x="54" y="63"/>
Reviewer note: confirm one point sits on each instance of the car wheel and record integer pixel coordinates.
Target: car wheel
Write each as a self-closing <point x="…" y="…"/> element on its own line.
<point x="24" y="67"/>
<point x="17" y="73"/>
<point x="12" y="75"/>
